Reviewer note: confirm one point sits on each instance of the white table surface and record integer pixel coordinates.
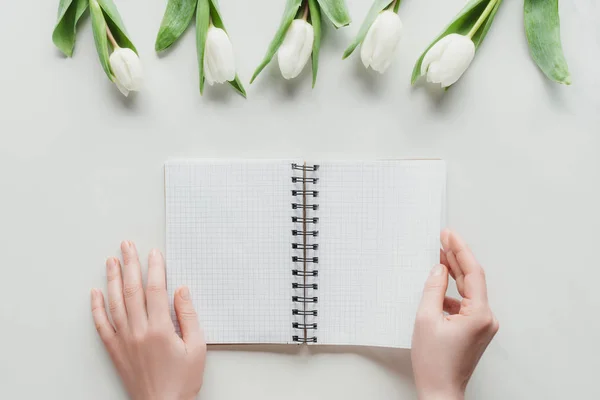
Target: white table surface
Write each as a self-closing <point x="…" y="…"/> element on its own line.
<point x="82" y="168"/>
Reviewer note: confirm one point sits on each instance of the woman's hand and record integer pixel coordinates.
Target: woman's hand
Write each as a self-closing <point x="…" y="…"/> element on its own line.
<point x="152" y="360"/>
<point x="447" y="348"/>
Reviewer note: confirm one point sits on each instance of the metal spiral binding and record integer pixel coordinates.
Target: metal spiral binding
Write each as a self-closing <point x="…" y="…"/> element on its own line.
<point x="303" y="289"/>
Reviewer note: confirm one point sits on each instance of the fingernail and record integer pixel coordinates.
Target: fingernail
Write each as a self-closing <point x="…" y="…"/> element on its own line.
<point x="93" y="294"/>
<point x="111" y="263"/>
<point x="437" y="270"/>
<point x="154" y="253"/>
<point x="184" y="293"/>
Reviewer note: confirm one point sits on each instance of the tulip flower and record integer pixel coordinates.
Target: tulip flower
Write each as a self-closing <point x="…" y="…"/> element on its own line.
<point x="299" y="35"/>
<point x="127" y="69"/>
<point x="448" y="59"/>
<point x="450" y="54"/>
<point x="216" y="61"/>
<point x="378" y="36"/>
<point x="378" y="48"/>
<point x="296" y="48"/>
<point x="123" y="66"/>
<point x="219" y="61"/>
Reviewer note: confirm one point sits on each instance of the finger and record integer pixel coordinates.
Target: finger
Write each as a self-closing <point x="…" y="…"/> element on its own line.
<point x="103" y="325"/>
<point x="470" y="278"/>
<point x="451" y="305"/>
<point x="450" y="261"/>
<point x="133" y="292"/>
<point x="444" y="260"/>
<point x="434" y="292"/>
<point x="156" y="290"/>
<point x="116" y="303"/>
<point x="187" y="317"/>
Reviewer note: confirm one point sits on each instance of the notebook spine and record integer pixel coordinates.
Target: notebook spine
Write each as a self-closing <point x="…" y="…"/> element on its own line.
<point x="305" y="258"/>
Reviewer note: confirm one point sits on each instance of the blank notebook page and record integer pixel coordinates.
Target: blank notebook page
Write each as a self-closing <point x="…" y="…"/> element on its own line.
<point x="379" y="226"/>
<point x="228" y="239"/>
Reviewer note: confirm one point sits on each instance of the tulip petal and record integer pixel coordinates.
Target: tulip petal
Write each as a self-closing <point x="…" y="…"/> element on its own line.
<point x="435" y="53"/>
<point x="122" y="88"/>
<point x="305" y="51"/>
<point x="287" y="54"/>
<point x="367" y="49"/>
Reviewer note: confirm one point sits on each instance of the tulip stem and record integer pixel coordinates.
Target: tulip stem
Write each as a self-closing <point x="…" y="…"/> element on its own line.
<point x="111" y="38"/>
<point x="482" y="18"/>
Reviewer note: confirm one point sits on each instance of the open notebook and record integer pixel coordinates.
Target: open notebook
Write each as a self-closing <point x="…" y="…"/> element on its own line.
<point x="290" y="251"/>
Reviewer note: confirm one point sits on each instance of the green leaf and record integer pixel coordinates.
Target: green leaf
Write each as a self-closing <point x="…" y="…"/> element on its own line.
<point x="237" y="85"/>
<point x="177" y="18"/>
<point x="115" y="24"/>
<point x="215" y="14"/>
<point x="99" y="28"/>
<point x="202" y="22"/>
<point x="291" y="9"/>
<point x="462" y="24"/>
<point x="336" y="11"/>
<point x="376" y="9"/>
<point x="64" y="34"/>
<point x="315" y="20"/>
<point x="542" y="26"/>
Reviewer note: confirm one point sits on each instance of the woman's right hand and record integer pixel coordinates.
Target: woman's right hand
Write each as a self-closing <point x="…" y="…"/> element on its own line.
<point x="447" y="347"/>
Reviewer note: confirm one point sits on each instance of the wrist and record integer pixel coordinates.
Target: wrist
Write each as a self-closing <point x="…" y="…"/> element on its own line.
<point x="442" y="395"/>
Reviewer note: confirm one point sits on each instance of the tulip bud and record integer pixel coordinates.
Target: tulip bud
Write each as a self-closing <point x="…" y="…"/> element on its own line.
<point x="380" y="44"/>
<point x="296" y="48"/>
<point x="448" y="59"/>
<point x="219" y="61"/>
<point x="127" y="70"/>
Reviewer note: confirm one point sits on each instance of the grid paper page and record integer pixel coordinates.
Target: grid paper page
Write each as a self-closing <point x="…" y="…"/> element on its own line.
<point x="379" y="238"/>
<point x="228" y="239"/>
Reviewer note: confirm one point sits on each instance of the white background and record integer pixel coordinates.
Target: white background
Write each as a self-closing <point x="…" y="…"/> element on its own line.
<point x="81" y="168"/>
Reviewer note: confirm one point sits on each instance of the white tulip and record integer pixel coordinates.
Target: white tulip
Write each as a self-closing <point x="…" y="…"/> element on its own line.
<point x="219" y="61"/>
<point x="127" y="70"/>
<point x="296" y="48"/>
<point x="448" y="59"/>
<point x="378" y="48"/>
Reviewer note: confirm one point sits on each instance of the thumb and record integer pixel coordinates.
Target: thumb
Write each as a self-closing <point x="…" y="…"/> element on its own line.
<point x="187" y="317"/>
<point x="432" y="302"/>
